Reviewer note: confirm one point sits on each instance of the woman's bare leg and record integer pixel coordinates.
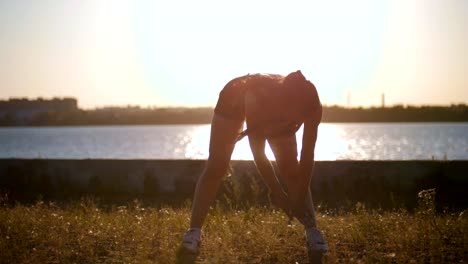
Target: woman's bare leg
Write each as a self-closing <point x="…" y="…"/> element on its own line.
<point x="277" y="194"/>
<point x="222" y="141"/>
<point x="285" y="151"/>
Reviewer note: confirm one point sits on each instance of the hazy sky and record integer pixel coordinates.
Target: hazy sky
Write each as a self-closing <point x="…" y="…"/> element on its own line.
<point x="181" y="53"/>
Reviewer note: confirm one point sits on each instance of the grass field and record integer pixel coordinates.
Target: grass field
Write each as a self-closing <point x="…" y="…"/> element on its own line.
<point x="84" y="232"/>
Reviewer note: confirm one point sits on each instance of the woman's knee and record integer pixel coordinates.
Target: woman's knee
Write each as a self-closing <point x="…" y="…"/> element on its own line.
<point x="287" y="162"/>
<point x="216" y="166"/>
<point x="288" y="166"/>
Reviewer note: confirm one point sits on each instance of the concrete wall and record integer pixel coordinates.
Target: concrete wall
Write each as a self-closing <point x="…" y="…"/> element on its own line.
<point x="335" y="184"/>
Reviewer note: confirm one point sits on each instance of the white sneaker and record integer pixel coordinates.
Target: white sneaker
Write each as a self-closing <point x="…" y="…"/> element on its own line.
<point x="191" y="241"/>
<point x="315" y="240"/>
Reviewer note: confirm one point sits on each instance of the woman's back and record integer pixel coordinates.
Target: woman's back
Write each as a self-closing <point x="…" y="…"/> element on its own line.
<point x="276" y="104"/>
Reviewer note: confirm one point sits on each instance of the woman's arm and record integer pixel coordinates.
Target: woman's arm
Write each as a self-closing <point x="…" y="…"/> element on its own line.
<point x="307" y="159"/>
<point x="277" y="195"/>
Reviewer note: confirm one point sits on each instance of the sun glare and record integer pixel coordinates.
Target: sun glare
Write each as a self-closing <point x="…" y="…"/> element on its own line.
<point x="181" y="53"/>
<point x="331" y="144"/>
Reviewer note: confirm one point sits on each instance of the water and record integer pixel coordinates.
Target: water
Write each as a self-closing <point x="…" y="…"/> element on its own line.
<point x="336" y="141"/>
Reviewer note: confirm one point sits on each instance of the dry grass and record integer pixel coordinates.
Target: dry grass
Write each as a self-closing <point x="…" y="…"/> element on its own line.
<point x="86" y="233"/>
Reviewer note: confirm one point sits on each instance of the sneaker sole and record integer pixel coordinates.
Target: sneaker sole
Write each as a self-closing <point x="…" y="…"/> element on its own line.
<point x="190" y="250"/>
<point x="322" y="249"/>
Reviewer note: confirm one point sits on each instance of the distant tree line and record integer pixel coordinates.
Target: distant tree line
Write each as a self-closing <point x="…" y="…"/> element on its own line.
<point x="203" y="115"/>
<point x="397" y="113"/>
<point x="114" y="116"/>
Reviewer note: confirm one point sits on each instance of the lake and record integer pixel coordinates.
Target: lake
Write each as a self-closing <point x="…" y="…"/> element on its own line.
<point x="336" y="141"/>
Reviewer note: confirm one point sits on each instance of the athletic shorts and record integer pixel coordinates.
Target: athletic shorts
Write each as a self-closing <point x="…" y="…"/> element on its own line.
<point x="231" y="102"/>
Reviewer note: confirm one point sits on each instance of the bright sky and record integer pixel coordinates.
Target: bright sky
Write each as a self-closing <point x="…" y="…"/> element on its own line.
<point x="181" y="53"/>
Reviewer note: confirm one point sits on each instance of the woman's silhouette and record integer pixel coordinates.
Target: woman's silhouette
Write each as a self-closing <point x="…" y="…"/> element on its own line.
<point x="274" y="107"/>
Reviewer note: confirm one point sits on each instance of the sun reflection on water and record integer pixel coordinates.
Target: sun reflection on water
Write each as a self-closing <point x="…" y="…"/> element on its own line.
<point x="197" y="148"/>
<point x="337" y="141"/>
<point x="331" y="143"/>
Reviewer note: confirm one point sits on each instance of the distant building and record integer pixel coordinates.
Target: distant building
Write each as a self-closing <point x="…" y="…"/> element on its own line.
<point x="24" y="109"/>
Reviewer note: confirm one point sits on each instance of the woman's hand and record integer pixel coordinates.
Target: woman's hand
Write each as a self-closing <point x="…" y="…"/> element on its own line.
<point x="280" y="200"/>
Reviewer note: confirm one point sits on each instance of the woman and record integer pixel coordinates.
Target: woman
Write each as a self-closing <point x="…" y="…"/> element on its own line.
<point x="274" y="107"/>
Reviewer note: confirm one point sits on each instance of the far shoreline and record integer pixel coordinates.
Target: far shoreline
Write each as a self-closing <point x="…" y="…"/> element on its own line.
<point x="45" y="113"/>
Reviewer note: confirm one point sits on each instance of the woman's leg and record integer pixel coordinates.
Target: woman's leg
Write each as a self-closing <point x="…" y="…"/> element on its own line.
<point x="285" y="151"/>
<point x="276" y="192"/>
<point x="224" y="132"/>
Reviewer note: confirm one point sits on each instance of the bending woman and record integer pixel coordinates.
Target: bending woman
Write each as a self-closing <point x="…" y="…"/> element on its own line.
<point x="274" y="107"/>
